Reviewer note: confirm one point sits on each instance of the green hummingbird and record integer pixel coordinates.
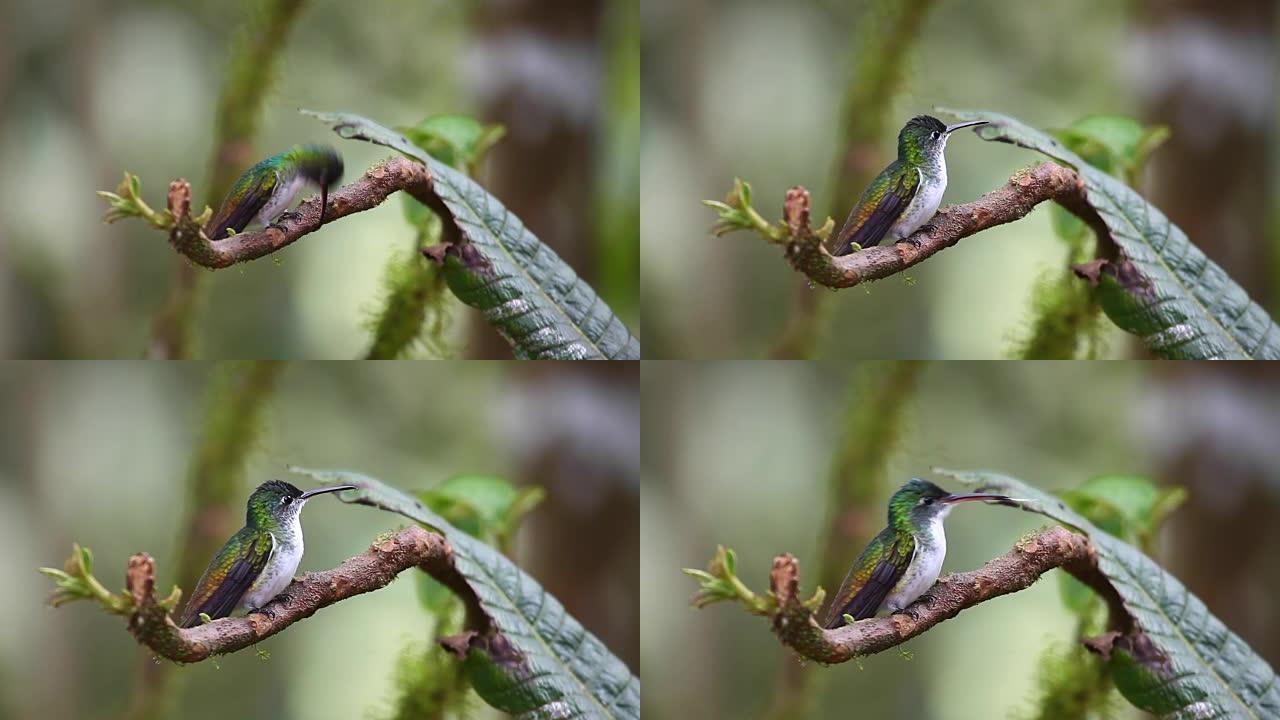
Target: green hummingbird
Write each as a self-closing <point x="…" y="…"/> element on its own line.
<point x="258" y="562"/>
<point x="904" y="560"/>
<point x="907" y="193"/>
<point x="267" y="188"/>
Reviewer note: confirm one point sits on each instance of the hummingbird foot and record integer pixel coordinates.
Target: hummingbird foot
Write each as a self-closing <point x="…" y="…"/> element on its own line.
<point x="909" y="612"/>
<point x="278" y="223"/>
<point x="271" y="614"/>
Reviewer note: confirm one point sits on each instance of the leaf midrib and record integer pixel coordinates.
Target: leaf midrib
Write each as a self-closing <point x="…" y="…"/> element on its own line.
<point x="535" y="634"/>
<point x="1159" y="608"/>
<point x="520" y="267"/>
<point x="1177" y="278"/>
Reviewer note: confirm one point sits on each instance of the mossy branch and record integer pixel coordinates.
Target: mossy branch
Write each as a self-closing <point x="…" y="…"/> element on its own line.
<point x="149" y="618"/>
<point x="186" y="235"/>
<point x="805" y="251"/>
<point x="794" y="619"/>
<point x="251" y="63"/>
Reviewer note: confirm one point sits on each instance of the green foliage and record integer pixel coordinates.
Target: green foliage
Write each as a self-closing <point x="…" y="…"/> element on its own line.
<point x="1065" y="312"/>
<point x="127" y="202"/>
<point x="1115" y="144"/>
<point x="538" y="662"/>
<point x="415" y="309"/>
<point x="616" y="176"/>
<point x="1131" y="508"/>
<point x="484" y="507"/>
<point x="456" y="140"/>
<point x="430" y="685"/>
<point x="1066" y="320"/>
<point x="1072" y="684"/>
<point x="76" y="582"/>
<point x="536" y="301"/>
<point x="736" y="213"/>
<point x="1179" y="661"/>
<point x="1160" y="287"/>
<point x="720" y="583"/>
<point x="487" y="508"/>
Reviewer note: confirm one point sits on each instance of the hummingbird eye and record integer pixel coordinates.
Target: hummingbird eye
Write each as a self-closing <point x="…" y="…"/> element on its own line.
<point x="284" y="500"/>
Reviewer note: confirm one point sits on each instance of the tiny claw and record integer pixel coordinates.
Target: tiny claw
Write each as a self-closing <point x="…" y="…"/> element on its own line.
<point x="909" y="612"/>
<point x="271" y="614"/>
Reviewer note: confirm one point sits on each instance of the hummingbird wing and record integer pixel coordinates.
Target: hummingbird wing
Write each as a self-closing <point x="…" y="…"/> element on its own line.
<point x="869" y="222"/>
<point x="245" y="199"/>
<point x="869" y="581"/>
<point x="221" y="589"/>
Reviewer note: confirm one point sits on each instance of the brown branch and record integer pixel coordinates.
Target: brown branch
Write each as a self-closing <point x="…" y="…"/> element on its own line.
<point x="377" y="567"/>
<point x="795" y="626"/>
<point x="377" y="183"/>
<point x="1025" y="190"/>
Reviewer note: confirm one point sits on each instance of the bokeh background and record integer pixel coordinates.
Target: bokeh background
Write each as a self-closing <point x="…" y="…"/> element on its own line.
<point x="758" y="90"/>
<point x="89" y="90"/>
<point x="101" y="454"/>
<point x="742" y="454"/>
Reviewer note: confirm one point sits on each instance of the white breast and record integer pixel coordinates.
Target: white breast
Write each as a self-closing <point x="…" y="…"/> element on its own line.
<point x="923" y="570"/>
<point x="923" y="206"/>
<point x="280" y="200"/>
<point x="286" y="555"/>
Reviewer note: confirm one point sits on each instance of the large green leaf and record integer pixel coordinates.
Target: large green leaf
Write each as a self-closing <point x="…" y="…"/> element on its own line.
<point x="1193" y="665"/>
<point x="542" y="663"/>
<point x="523" y="288"/>
<point x="1162" y="288"/>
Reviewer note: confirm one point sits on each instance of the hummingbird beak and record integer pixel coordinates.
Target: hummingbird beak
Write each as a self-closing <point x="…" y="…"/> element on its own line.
<point x="960" y="126"/>
<point x="967" y="497"/>
<point x="324" y="200"/>
<point x="323" y="490"/>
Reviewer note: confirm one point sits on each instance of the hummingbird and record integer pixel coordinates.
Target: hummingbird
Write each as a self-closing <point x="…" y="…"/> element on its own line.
<point x="904" y="560"/>
<point x="907" y="193"/>
<point x="267" y="188"/>
<point x="258" y="562"/>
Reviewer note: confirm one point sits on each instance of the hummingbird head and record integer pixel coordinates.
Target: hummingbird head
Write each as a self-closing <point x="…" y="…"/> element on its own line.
<point x="281" y="502"/>
<point x="319" y="163"/>
<point x="919" y="502"/>
<point x="322" y="165"/>
<point x="925" y="137"/>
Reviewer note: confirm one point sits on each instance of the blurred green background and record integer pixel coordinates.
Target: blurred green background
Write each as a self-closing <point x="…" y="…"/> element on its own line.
<point x="89" y="90"/>
<point x="98" y="454"/>
<point x="742" y="454"/>
<point x="758" y="90"/>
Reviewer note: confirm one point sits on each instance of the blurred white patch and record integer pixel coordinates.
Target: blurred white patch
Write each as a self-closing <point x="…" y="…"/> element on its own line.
<point x="1202" y="66"/>
<point x="42" y="154"/>
<point x="153" y="89"/>
<point x="1232" y="424"/>
<point x="551" y="80"/>
<point x="593" y="426"/>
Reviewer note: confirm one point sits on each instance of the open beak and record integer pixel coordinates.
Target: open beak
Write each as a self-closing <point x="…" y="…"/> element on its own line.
<point x="323" y="490"/>
<point x="960" y="126"/>
<point x="967" y="497"/>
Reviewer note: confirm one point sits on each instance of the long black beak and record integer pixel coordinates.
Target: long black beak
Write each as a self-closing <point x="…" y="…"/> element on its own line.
<point x="961" y="126"/>
<point x="323" y="490"/>
<point x="968" y="497"/>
